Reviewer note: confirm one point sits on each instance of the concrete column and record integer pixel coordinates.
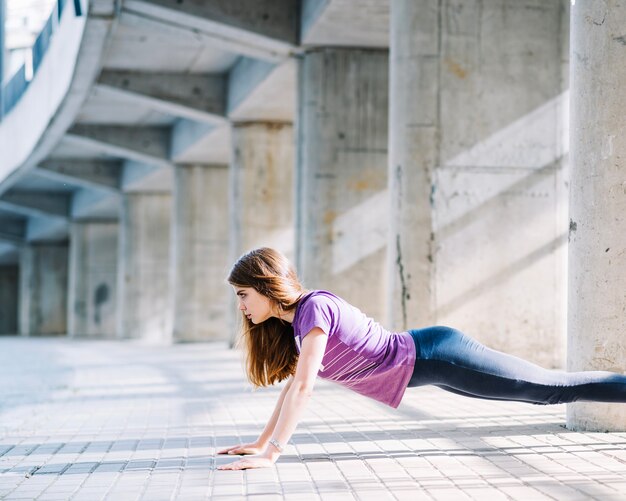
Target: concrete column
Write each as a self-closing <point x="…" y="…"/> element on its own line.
<point x="92" y="304"/>
<point x="200" y="252"/>
<point x="9" y="287"/>
<point x="261" y="193"/>
<point x="597" y="260"/>
<point x="43" y="290"/>
<point x="341" y="196"/>
<point x="477" y="171"/>
<point x="144" y="295"/>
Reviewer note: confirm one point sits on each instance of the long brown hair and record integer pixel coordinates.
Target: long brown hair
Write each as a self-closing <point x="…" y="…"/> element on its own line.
<point x="269" y="347"/>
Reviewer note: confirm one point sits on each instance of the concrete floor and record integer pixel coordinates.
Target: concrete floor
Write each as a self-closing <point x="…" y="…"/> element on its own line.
<point x="89" y="420"/>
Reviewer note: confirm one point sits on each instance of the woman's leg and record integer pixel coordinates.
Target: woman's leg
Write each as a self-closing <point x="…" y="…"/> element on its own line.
<point x="450" y="359"/>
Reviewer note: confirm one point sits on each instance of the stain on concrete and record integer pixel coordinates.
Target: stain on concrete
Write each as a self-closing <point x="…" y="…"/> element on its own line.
<point x="329" y="216"/>
<point x="361" y="185"/>
<point x="572" y="229"/>
<point x="621" y="40"/>
<point x="455" y="68"/>
<point x="101" y="296"/>
<point x="404" y="295"/>
<point x="598" y="13"/>
<point x="398" y="176"/>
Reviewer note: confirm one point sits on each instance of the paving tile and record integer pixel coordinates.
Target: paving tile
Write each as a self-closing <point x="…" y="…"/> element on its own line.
<point x="117" y="421"/>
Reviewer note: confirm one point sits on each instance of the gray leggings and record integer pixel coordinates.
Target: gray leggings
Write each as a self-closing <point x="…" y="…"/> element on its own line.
<point x="451" y="360"/>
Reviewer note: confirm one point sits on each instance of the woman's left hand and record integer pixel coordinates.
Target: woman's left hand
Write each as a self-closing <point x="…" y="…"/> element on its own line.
<point x="248" y="463"/>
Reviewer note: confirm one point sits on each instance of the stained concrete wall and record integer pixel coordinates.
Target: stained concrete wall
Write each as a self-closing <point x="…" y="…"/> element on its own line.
<point x="261" y="187"/>
<point x="9" y="287"/>
<point x="597" y="256"/>
<point x="92" y="302"/>
<point x="200" y="252"/>
<point x="144" y="294"/>
<point x="477" y="171"/>
<point x="43" y="290"/>
<point x="341" y="174"/>
<point x="261" y="195"/>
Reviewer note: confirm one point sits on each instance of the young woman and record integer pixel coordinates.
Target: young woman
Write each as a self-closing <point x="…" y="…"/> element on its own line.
<point x="294" y="334"/>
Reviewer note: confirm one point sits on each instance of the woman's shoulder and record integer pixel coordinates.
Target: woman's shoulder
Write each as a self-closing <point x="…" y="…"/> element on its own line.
<point x="318" y="301"/>
<point x="320" y="296"/>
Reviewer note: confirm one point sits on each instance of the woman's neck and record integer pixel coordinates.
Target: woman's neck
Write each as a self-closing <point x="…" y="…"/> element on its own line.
<point x="287" y="316"/>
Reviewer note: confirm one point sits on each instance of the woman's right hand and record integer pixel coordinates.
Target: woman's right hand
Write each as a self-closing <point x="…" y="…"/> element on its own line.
<point x="244" y="449"/>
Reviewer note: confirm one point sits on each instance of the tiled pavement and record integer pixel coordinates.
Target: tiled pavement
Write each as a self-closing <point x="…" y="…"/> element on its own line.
<point x="90" y="420"/>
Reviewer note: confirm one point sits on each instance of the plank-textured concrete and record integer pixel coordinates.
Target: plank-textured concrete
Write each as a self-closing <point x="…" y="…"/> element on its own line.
<point x="199" y="252"/>
<point x="144" y="295"/>
<point x="92" y="297"/>
<point x="261" y="191"/>
<point x="342" y="174"/>
<point x="43" y="290"/>
<point x="597" y="259"/>
<point x="261" y="187"/>
<point x="476" y="177"/>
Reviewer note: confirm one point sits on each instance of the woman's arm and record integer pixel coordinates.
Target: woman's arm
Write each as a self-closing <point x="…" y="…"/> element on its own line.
<point x="295" y="400"/>
<point x="261" y="443"/>
<point x="268" y="431"/>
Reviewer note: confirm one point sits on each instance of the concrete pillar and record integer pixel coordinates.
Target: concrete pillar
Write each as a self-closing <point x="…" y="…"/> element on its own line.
<point x="9" y="287"/>
<point x="144" y="294"/>
<point x="43" y="290"/>
<point x="597" y="260"/>
<point x="261" y="193"/>
<point x="477" y="171"/>
<point x="92" y="304"/>
<point x="341" y="196"/>
<point x="200" y="252"/>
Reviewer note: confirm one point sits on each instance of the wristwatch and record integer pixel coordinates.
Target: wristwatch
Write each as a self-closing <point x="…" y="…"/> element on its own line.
<point x="276" y="444"/>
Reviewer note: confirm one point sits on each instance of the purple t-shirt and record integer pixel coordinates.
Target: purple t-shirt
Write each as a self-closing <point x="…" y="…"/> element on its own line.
<point x="360" y="354"/>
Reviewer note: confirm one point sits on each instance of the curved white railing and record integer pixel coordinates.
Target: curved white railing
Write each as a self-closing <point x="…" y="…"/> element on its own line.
<point x="31" y="106"/>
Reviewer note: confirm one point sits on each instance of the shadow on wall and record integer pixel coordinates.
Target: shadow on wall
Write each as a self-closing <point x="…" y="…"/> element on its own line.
<point x="518" y="149"/>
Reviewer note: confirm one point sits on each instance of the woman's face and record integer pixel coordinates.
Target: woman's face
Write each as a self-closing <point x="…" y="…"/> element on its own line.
<point x="256" y="306"/>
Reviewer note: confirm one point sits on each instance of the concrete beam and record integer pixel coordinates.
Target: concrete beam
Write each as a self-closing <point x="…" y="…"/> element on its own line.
<point x="185" y="135"/>
<point x="11" y="239"/>
<point x="13" y="230"/>
<point x="95" y="205"/>
<point x="46" y="229"/>
<point x="196" y="97"/>
<point x="345" y="23"/>
<point x="262" y="91"/>
<point x="91" y="174"/>
<point x="244" y="76"/>
<point x="36" y="204"/>
<point x="9" y="254"/>
<point x="194" y="143"/>
<point x="138" y="177"/>
<point x="143" y="144"/>
<point x="265" y="29"/>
